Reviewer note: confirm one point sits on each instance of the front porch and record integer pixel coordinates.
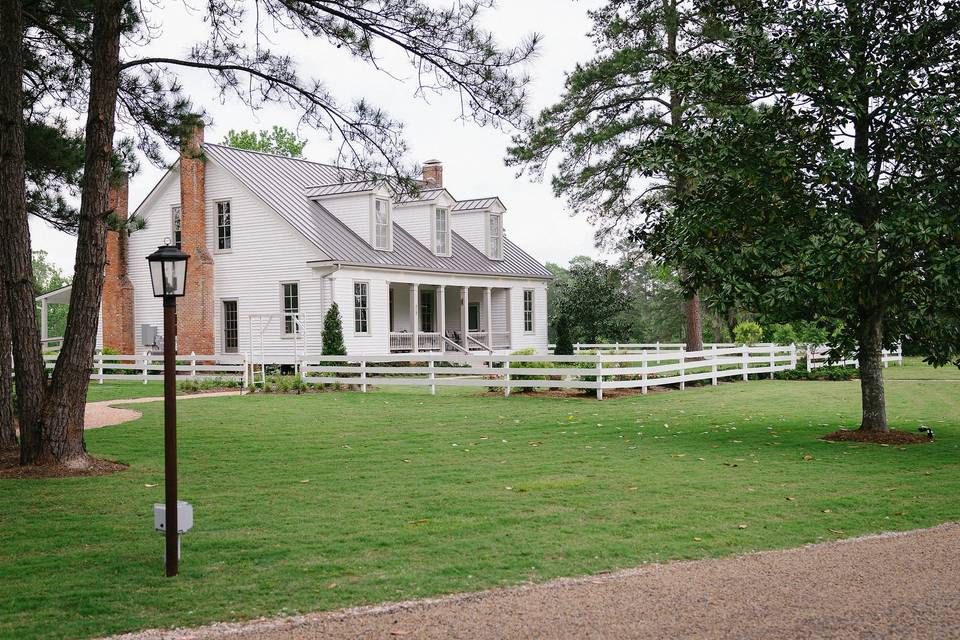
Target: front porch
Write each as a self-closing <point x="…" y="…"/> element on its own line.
<point x="427" y="318"/>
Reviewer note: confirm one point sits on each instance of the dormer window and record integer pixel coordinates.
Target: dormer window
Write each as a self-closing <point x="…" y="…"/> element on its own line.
<point x="441" y="231"/>
<point x="495" y="237"/>
<point x="381" y="224"/>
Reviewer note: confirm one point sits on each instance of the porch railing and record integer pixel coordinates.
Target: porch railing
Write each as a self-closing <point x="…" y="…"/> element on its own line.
<point x="401" y="341"/>
<point x="429" y="342"/>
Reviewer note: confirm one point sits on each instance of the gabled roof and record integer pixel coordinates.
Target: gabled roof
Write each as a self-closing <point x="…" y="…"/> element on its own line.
<point x="282" y="182"/>
<point x="357" y="186"/>
<point x="424" y="195"/>
<point x="477" y="204"/>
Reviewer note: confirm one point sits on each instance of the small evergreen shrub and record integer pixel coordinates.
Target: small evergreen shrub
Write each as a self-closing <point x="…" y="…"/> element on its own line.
<point x="332" y="338"/>
<point x="564" y="343"/>
<point x="783" y="334"/>
<point x="747" y="333"/>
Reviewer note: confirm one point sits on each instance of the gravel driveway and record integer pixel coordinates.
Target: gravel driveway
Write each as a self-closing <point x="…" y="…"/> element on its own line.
<point x="887" y="586"/>
<point x="105" y="413"/>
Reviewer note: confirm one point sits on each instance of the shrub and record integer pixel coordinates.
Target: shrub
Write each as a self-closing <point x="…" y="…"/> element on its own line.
<point x="528" y="365"/>
<point x="783" y="334"/>
<point x="194" y="386"/>
<point x="747" y="333"/>
<point x="822" y="373"/>
<point x="332" y="338"/>
<point x="564" y="343"/>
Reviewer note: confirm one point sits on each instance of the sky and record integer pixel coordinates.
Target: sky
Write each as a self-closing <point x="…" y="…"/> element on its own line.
<point x="472" y="156"/>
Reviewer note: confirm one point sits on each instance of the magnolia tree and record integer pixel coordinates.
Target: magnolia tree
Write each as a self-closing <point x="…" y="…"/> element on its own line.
<point x="834" y="193"/>
<point x="83" y="57"/>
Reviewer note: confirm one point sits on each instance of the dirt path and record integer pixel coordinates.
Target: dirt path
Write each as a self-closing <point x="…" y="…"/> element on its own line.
<point x="105" y="413"/>
<point x="887" y="586"/>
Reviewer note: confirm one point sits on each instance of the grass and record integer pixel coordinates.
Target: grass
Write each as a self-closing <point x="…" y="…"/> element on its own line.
<point x="326" y="500"/>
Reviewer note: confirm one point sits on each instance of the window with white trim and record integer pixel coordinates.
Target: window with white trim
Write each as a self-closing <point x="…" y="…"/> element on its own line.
<point x="381" y="223"/>
<point x="290" y="292"/>
<point x="495" y="236"/>
<point x="528" y="310"/>
<point x="177" y="227"/>
<point x="224" y="229"/>
<point x="361" y="303"/>
<point x="441" y="230"/>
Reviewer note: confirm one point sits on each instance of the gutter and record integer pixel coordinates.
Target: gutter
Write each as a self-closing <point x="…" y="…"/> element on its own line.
<point x="379" y="267"/>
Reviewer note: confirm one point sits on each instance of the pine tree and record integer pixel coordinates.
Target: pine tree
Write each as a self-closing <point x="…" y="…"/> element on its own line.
<point x="564" y="344"/>
<point x="333" y="333"/>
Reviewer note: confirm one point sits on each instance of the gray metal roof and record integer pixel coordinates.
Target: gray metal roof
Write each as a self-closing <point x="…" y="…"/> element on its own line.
<point x="282" y="183"/>
<point x="341" y="188"/>
<point x="476" y="204"/>
<point x="424" y="195"/>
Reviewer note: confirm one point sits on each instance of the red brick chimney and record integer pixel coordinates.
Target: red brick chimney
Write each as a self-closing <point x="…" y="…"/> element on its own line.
<point x="433" y="174"/>
<point x="117" y="303"/>
<point x="195" y="320"/>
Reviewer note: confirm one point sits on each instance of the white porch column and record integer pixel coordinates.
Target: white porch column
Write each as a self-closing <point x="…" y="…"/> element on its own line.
<point x="509" y="292"/>
<point x="415" y="315"/>
<point x="389" y="316"/>
<point x="442" y="310"/>
<point x="44" y="330"/>
<point x="488" y="303"/>
<point x="465" y="315"/>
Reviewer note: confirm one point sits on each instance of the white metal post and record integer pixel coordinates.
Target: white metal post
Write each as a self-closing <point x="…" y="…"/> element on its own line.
<point x="746" y="363"/>
<point x="44" y="329"/>
<point x="433" y="387"/>
<point x="713" y="368"/>
<point x="599" y="377"/>
<point x="415" y="315"/>
<point x="506" y="378"/>
<point x="643" y="364"/>
<point x="246" y="371"/>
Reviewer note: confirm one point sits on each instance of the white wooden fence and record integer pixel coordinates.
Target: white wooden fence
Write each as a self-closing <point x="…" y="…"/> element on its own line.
<point x="819" y="356"/>
<point x="599" y="372"/>
<point x="146" y="367"/>
<point x="639" y="347"/>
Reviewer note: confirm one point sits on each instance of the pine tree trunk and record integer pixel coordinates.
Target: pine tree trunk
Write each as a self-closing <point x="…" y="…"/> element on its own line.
<point x="8" y="424"/>
<point x="874" y="416"/>
<point x="694" y="323"/>
<point x="63" y="415"/>
<point x="17" y="265"/>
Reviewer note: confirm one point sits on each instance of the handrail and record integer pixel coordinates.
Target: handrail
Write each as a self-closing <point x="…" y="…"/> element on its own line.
<point x="455" y="345"/>
<point x="475" y="341"/>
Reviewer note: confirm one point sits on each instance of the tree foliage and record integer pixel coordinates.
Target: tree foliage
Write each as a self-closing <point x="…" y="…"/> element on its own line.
<point x="834" y="193"/>
<point x="564" y="345"/>
<point x="278" y="140"/>
<point x="592" y="299"/>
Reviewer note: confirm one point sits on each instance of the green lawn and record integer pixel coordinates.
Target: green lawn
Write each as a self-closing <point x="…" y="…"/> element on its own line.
<point x="326" y="500"/>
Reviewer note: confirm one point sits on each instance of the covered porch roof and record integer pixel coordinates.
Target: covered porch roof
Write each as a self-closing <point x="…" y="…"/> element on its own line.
<point x="57" y="296"/>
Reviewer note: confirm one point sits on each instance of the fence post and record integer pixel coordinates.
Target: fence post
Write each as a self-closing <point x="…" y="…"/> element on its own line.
<point x="773" y="360"/>
<point x="900" y="354"/>
<point x="809" y="357"/>
<point x="363" y="376"/>
<point x="683" y="369"/>
<point x="146" y="355"/>
<point x="658" y="346"/>
<point x="433" y="387"/>
<point x="193" y="364"/>
<point x="246" y="378"/>
<point x="616" y="347"/>
<point x="599" y="377"/>
<point x="643" y="363"/>
<point x="99" y="367"/>
<point x="884" y="358"/>
<point x="713" y="368"/>
<point x="506" y="378"/>
<point x="576" y="348"/>
<point x="793" y="355"/>
<point x="746" y="363"/>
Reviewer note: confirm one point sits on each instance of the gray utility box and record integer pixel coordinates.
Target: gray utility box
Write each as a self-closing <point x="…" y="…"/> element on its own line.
<point x="148" y="335"/>
<point x="184" y="516"/>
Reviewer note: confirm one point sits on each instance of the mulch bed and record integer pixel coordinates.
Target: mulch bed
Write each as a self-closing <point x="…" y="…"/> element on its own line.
<point x="10" y="468"/>
<point x="893" y="436"/>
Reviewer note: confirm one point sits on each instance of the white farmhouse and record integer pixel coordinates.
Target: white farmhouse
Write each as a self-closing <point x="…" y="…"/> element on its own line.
<point x="273" y="241"/>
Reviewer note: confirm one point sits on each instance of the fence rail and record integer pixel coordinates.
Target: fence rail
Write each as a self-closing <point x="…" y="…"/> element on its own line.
<point x="819" y="356"/>
<point x="146" y="367"/>
<point x="638" y="347"/>
<point x="599" y="372"/>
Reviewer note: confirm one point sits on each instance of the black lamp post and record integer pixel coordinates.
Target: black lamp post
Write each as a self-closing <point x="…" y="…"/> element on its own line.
<point x="168" y="274"/>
